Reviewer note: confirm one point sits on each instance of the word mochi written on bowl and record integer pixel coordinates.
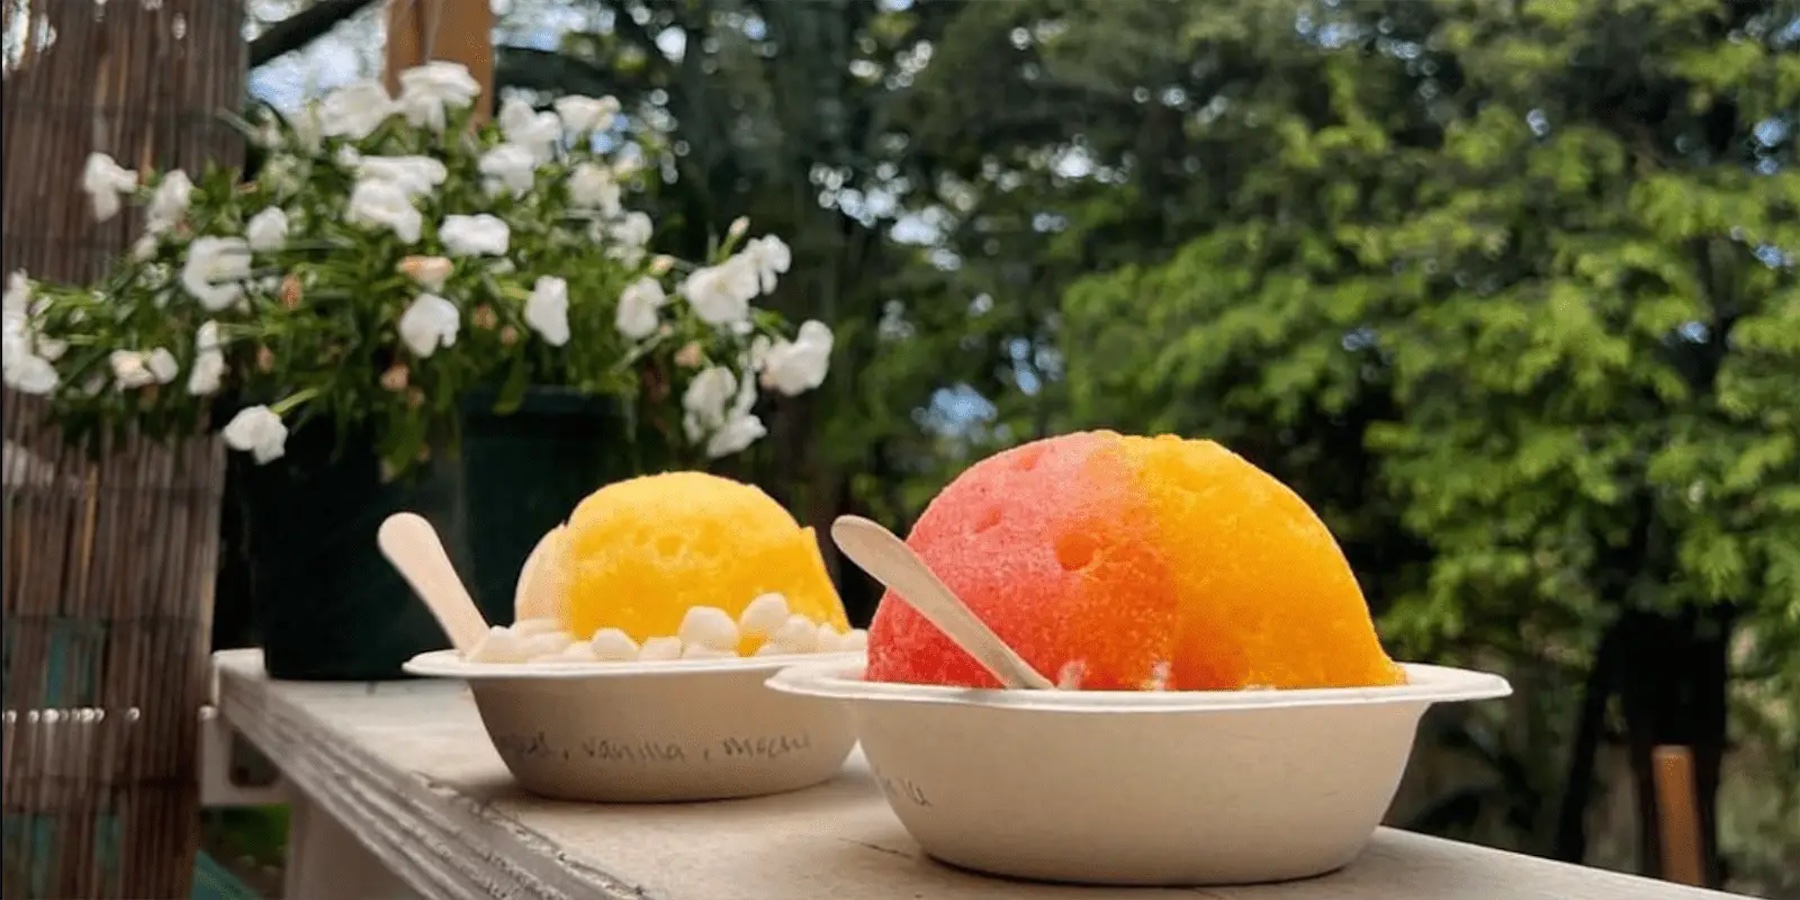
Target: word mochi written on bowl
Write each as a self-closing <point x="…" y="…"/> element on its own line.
<point x="765" y="628"/>
<point x="1113" y="562"/>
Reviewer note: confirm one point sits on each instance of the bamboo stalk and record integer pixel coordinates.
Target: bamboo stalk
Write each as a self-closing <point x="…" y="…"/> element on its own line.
<point x="108" y="562"/>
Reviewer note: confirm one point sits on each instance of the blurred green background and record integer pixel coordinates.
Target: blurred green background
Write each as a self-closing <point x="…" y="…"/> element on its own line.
<point x="1509" y="291"/>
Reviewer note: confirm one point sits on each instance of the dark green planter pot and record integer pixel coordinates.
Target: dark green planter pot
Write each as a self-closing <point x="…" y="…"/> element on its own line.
<point x="523" y="473"/>
<point x="327" y="604"/>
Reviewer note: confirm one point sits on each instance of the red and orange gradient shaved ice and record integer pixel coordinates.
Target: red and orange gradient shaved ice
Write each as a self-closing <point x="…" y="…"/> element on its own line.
<point x="1112" y="562"/>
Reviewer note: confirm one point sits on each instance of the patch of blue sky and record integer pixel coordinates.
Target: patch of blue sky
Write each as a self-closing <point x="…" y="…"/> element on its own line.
<point x="955" y="411"/>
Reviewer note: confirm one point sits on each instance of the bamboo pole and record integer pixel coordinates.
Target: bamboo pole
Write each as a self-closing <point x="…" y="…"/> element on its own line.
<point x="460" y="31"/>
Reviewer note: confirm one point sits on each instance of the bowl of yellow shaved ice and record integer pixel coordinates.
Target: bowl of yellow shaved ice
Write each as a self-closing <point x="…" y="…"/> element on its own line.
<point x="646" y="626"/>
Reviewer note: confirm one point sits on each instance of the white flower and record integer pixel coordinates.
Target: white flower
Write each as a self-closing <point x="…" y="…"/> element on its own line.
<point x="259" y="431"/>
<point x="209" y="361"/>
<point x="514" y="114"/>
<point x="537" y="131"/>
<point x="214" y="270"/>
<point x="347" y="157"/>
<point x="721" y="294"/>
<point x="737" y="228"/>
<point x="581" y="115"/>
<point x="511" y="165"/>
<point x="208" y="372"/>
<point x="17" y="343"/>
<point x="383" y="204"/>
<point x="355" y="110"/>
<point x="704" y="402"/>
<point x="428" y="272"/>
<point x="18" y="294"/>
<point x="547" y="310"/>
<point x="759" y="353"/>
<point x="51" y="348"/>
<point x="309" y="131"/>
<point x="131" y="368"/>
<point x="770" y="257"/>
<point x="638" y="303"/>
<point x="725" y="431"/>
<point x="481" y="235"/>
<point x="633" y="231"/>
<point x="21" y="338"/>
<point x="267" y="230"/>
<point x="797" y="366"/>
<point x="105" y="181"/>
<point x="429" y="323"/>
<point x="593" y="187"/>
<point x="416" y="175"/>
<point x="738" y="433"/>
<point x="627" y="166"/>
<point x="425" y="92"/>
<point x="28" y="373"/>
<point x="169" y="203"/>
<point x="162" y="365"/>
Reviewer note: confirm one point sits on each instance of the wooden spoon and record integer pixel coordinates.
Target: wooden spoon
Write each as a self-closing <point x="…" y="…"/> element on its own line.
<point x="884" y="556"/>
<point x="412" y="545"/>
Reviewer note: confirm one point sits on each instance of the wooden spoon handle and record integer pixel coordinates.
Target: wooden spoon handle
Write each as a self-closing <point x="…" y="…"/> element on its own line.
<point x="883" y="555"/>
<point x="412" y="545"/>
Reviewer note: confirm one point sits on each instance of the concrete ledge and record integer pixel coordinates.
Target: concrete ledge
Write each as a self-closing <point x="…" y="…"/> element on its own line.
<point x="407" y="769"/>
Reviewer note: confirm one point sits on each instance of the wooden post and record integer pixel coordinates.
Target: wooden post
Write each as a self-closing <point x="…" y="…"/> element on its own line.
<point x="459" y="31"/>
<point x="1678" y="820"/>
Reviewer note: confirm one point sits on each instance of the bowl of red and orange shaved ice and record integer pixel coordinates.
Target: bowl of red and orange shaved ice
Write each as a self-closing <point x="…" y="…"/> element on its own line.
<point x="1224" y="712"/>
<point x="645" y="628"/>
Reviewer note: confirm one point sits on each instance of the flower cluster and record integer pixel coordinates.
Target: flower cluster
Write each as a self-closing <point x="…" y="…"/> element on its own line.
<point x="387" y="260"/>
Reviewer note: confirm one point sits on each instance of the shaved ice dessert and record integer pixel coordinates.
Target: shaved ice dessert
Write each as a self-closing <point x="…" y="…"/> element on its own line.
<point x="1114" y="562"/>
<point x="682" y="565"/>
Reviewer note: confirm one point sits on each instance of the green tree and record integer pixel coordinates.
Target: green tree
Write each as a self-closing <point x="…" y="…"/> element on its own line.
<point x="783" y="112"/>
<point x="833" y="124"/>
<point x="1506" y="290"/>
<point x="1536" y="262"/>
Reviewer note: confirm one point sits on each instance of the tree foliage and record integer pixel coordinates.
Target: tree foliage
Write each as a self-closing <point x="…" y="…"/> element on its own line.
<point x="1508" y="291"/>
<point x="1538" y="265"/>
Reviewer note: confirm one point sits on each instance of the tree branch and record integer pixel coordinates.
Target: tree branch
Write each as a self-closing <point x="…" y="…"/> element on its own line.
<point x="549" y="70"/>
<point x="1570" y="842"/>
<point x="627" y="27"/>
<point x="302" y="28"/>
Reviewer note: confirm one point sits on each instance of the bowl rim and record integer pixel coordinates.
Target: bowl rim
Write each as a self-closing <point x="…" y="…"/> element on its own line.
<point x="1426" y="684"/>
<point x="448" y="664"/>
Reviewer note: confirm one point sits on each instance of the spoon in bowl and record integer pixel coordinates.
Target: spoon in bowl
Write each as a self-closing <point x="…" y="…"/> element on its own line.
<point x="890" y="561"/>
<point x="412" y="545"/>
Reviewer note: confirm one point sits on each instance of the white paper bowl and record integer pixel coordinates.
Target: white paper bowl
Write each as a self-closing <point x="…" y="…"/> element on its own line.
<point x="1178" y="788"/>
<point x="651" y="732"/>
